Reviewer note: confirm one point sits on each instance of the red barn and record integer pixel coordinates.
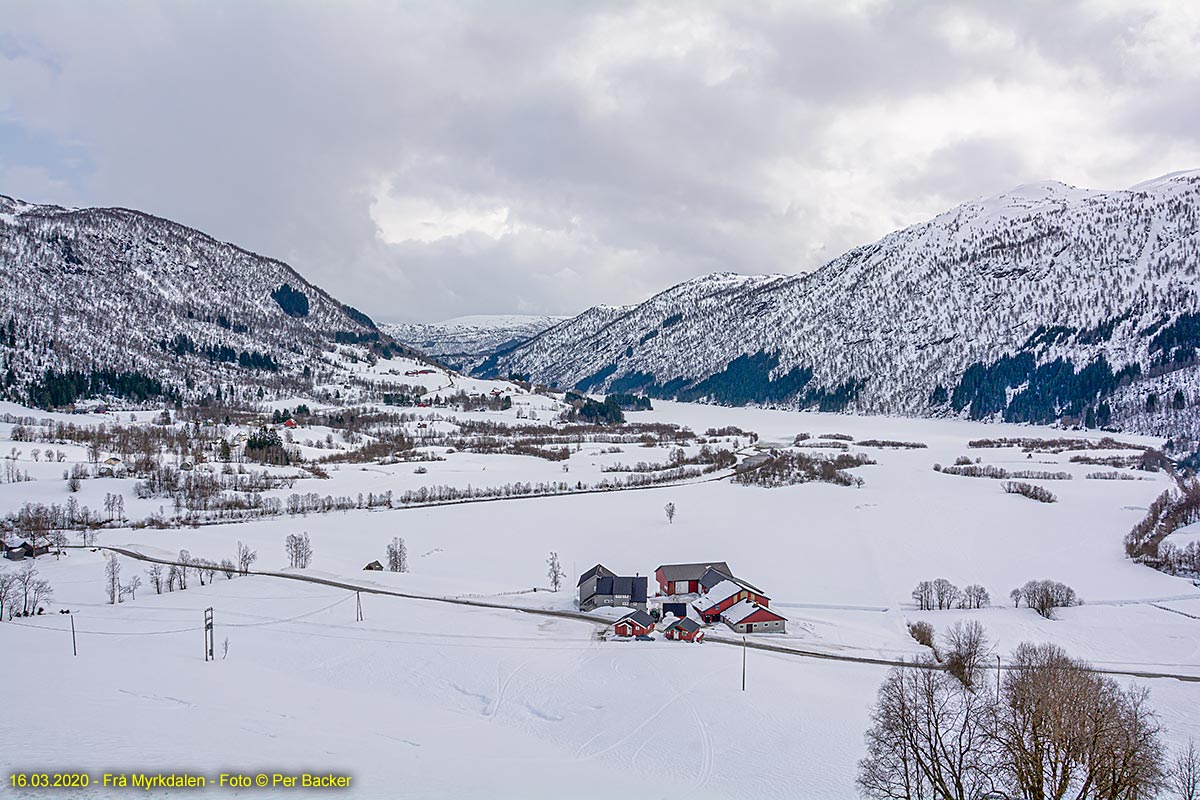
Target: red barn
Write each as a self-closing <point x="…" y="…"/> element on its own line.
<point x="636" y="623"/>
<point x="724" y="595"/>
<point x="685" y="578"/>
<point x="685" y="630"/>
<point x="746" y="617"/>
<point x="290" y="423"/>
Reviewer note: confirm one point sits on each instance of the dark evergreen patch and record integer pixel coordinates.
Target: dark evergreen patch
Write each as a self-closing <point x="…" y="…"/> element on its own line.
<point x="358" y="316"/>
<point x="592" y="381"/>
<point x="674" y="319"/>
<point x="631" y="402"/>
<point x="589" y="410"/>
<point x="58" y="389"/>
<point x="293" y="301"/>
<point x="1047" y="393"/>
<point x="747" y="379"/>
<point x="1175" y="344"/>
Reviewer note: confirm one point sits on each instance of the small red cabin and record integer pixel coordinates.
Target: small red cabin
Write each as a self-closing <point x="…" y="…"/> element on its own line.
<point x="684" y="630"/>
<point x="637" y="623"/>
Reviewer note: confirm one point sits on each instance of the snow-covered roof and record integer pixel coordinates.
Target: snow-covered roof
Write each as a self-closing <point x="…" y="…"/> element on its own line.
<point x="722" y="591"/>
<point x="743" y="609"/>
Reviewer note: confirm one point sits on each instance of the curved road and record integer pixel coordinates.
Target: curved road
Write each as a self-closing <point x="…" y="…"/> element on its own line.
<point x="604" y="622"/>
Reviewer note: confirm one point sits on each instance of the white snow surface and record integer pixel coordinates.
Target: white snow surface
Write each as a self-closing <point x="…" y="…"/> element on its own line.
<point x="426" y="699"/>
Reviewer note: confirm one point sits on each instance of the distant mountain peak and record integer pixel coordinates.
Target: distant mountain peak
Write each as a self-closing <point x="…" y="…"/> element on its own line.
<point x="1045" y="302"/>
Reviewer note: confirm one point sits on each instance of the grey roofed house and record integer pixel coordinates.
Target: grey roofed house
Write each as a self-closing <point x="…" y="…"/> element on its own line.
<point x="600" y="586"/>
<point x="714" y="575"/>
<point x="689" y="572"/>
<point x="640" y="617"/>
<point x="596" y="572"/>
<point x="685" y="624"/>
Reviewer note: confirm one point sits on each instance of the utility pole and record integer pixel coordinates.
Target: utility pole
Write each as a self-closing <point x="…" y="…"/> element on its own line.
<point x="743" y="663"/>
<point x="74" y="649"/>
<point x="358" y="617"/>
<point x="208" y="635"/>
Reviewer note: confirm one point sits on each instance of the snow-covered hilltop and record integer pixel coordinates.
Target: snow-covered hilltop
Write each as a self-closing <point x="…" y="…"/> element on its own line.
<point x="112" y="301"/>
<point x="466" y="341"/>
<point x="1044" y="303"/>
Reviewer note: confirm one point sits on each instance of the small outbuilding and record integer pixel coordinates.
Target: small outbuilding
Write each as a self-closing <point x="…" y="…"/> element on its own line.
<point x="635" y="623"/>
<point x="684" y="630"/>
<point x="678" y="609"/>
<point x="374" y="566"/>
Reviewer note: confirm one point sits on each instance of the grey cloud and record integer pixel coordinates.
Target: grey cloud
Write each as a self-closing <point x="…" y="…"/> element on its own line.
<point x="634" y="145"/>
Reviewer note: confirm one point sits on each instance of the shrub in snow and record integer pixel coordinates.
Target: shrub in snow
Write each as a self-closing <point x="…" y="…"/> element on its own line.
<point x="923" y="633"/>
<point x="1039" y="493"/>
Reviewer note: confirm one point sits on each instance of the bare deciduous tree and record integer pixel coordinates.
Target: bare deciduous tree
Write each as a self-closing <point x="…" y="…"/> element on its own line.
<point x="155" y="573"/>
<point x="1066" y="731"/>
<point x="185" y="560"/>
<point x="112" y="578"/>
<point x="1058" y="730"/>
<point x="8" y="593"/>
<point x="928" y="739"/>
<point x="397" y="555"/>
<point x="965" y="646"/>
<point x="922" y="595"/>
<point x="554" y="572"/>
<point x="945" y="593"/>
<point x="1183" y="777"/>
<point x="669" y="509"/>
<point x="975" y="596"/>
<point x="299" y="550"/>
<point x="245" y="558"/>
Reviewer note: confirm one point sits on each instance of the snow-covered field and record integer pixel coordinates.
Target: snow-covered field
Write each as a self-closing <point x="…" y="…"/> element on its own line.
<point x="429" y="699"/>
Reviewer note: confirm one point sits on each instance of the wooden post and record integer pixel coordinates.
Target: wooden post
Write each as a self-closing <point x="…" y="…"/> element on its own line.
<point x="358" y="600"/>
<point x="208" y="635"/>
<point x="74" y="649"/>
<point x="743" y="663"/>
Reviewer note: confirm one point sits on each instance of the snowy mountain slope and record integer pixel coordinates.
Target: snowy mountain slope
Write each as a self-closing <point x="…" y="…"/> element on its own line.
<point x="469" y="340"/>
<point x="90" y="293"/>
<point x="1043" y="303"/>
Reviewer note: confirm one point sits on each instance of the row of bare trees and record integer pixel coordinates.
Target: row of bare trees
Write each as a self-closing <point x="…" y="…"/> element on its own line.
<point x="940" y="594"/>
<point x="22" y="592"/>
<point x="1056" y="729"/>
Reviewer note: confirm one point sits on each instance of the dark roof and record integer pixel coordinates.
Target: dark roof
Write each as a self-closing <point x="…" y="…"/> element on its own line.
<point x="634" y="587"/>
<point x="599" y="569"/>
<point x="714" y="575"/>
<point x="690" y="572"/>
<point x="640" y="617"/>
<point x="687" y="624"/>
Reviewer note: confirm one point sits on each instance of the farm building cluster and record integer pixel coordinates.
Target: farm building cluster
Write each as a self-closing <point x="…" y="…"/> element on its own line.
<point x="690" y="597"/>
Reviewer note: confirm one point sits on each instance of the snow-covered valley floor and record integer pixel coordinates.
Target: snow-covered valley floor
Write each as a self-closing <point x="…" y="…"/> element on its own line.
<point x="428" y="699"/>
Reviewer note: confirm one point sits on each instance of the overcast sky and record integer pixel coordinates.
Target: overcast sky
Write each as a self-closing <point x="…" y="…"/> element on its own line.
<point x="428" y="160"/>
